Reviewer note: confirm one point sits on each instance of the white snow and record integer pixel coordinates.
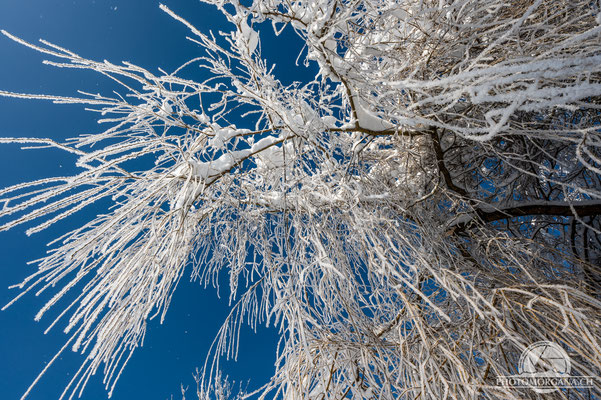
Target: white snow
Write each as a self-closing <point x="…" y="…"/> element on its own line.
<point x="368" y="119"/>
<point x="251" y="37"/>
<point x="264" y="148"/>
<point x="329" y="121"/>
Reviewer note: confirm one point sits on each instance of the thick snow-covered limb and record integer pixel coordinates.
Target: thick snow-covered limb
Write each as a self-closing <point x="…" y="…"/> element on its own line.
<point x="210" y="170"/>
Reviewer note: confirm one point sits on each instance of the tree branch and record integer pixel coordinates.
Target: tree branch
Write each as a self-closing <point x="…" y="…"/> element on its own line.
<point x="563" y="209"/>
<point x="584" y="209"/>
<point x="441" y="165"/>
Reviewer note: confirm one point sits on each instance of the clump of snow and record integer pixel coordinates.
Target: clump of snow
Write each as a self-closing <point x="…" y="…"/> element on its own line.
<point x="329" y="121"/>
<point x="222" y="136"/>
<point x="166" y="109"/>
<point x="367" y="119"/>
<point x="250" y="36"/>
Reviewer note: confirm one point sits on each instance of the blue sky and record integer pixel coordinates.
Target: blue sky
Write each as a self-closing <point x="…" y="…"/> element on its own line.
<point x="116" y="30"/>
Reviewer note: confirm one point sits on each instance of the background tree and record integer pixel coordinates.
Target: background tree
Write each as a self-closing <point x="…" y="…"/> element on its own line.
<point x="411" y="219"/>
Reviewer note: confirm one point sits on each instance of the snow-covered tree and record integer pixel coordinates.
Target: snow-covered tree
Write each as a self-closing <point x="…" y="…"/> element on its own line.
<point x="411" y="219"/>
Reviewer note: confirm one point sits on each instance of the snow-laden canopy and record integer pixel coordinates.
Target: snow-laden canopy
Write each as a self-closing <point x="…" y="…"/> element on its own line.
<point x="411" y="219"/>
